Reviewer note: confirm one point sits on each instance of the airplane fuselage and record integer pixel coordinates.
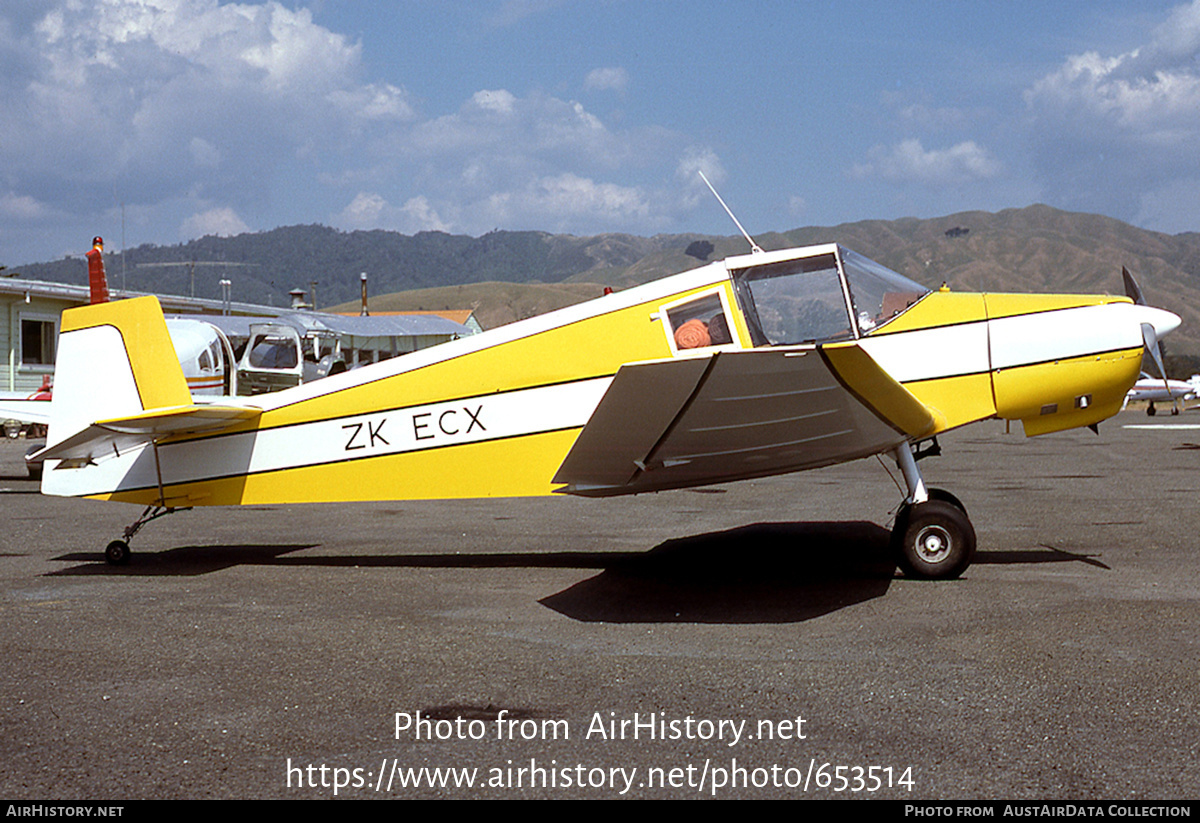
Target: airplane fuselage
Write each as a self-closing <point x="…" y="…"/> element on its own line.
<point x="755" y="365"/>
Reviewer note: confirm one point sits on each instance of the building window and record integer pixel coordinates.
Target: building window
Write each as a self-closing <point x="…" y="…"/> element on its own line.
<point x="37" y="342"/>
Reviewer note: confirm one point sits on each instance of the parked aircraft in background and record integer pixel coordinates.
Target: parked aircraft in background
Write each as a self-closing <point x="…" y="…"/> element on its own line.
<point x="29" y="412"/>
<point x="756" y="365"/>
<point x="1158" y="390"/>
<point x="206" y="357"/>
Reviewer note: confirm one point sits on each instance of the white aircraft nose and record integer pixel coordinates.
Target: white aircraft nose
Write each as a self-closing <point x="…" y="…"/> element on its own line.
<point x="1163" y="321"/>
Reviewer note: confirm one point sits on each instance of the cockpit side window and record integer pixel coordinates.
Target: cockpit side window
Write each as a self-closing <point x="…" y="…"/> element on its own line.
<point x="699" y="323"/>
<point x="794" y="301"/>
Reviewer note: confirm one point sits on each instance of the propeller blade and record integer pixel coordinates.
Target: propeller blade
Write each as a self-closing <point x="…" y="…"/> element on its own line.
<point x="1149" y="336"/>
<point x="1132" y="290"/>
<point x="1150" y="341"/>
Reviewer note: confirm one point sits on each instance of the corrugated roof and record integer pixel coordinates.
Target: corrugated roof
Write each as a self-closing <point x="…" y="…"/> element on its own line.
<point x="354" y="326"/>
<point x="81" y="295"/>
<point x="389" y="325"/>
<point x="382" y="325"/>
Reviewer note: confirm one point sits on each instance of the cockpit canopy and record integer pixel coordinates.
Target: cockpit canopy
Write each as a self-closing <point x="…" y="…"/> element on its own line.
<point x="827" y="293"/>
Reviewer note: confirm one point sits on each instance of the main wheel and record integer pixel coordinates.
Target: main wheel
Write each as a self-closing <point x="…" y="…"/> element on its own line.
<point x="933" y="540"/>
<point x="117" y="553"/>
<point x="943" y="495"/>
<point x="34" y="469"/>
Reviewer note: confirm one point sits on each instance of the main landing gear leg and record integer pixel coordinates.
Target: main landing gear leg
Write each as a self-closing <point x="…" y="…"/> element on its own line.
<point x="933" y="538"/>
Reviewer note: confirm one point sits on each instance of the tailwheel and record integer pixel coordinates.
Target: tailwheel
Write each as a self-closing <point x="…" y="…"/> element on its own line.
<point x="934" y="539"/>
<point x="117" y="553"/>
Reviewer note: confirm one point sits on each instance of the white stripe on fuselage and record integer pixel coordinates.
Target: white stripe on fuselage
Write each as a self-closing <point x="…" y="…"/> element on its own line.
<point x="1059" y="335"/>
<point x="415" y="428"/>
<point x="1005" y="342"/>
<point x="927" y="354"/>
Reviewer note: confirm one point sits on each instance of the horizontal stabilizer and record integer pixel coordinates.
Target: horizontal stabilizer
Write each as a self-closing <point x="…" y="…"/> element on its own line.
<point x="120" y="434"/>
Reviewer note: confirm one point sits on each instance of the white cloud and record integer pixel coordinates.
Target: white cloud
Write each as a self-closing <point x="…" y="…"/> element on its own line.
<point x="512" y="12"/>
<point x="499" y="124"/>
<point x="369" y="210"/>
<point x="933" y="118"/>
<point x="377" y="101"/>
<point x="204" y="153"/>
<point x="500" y="101"/>
<point x="21" y="207"/>
<point x="1112" y="132"/>
<point x="612" y="78"/>
<point x="537" y="161"/>
<point x="365" y="211"/>
<point x="171" y="106"/>
<point x="421" y="216"/>
<point x="561" y="197"/>
<point x="222" y="222"/>
<point x="696" y="159"/>
<point x="178" y="98"/>
<point x="909" y="162"/>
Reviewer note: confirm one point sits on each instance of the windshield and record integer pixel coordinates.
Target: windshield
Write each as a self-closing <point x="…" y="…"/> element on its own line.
<point x="272" y="352"/>
<point x="803" y="300"/>
<point x="795" y="301"/>
<point x="879" y="294"/>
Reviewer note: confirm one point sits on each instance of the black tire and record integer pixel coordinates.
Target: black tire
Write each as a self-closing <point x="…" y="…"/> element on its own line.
<point x="945" y="496"/>
<point x="933" y="540"/>
<point x="117" y="553"/>
<point x="34" y="469"/>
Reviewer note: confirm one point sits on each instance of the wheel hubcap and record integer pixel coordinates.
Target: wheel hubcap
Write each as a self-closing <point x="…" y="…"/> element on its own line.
<point x="933" y="544"/>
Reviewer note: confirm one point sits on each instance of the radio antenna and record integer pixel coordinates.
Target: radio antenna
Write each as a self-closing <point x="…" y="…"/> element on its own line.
<point x="754" y="249"/>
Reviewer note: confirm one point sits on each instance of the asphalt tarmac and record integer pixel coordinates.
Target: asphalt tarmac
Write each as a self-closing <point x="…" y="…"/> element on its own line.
<point x="744" y="641"/>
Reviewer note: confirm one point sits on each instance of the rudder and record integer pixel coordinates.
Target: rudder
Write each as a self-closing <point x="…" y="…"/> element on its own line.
<point x="114" y="359"/>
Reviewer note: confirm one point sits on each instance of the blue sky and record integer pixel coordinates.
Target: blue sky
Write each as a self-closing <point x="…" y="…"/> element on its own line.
<point x="171" y="119"/>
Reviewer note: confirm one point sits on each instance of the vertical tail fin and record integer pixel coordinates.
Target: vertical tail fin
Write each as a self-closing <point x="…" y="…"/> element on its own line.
<point x="114" y="359"/>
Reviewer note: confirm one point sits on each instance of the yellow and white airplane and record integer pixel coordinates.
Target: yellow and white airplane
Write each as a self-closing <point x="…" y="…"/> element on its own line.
<point x="756" y="365"/>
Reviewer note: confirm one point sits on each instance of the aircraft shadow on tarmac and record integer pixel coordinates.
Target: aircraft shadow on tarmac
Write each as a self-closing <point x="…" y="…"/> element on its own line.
<point x="760" y="573"/>
<point x="765" y="573"/>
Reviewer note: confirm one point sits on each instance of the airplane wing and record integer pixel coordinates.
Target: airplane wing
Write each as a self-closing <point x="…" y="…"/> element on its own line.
<point x="739" y="414"/>
<point x="120" y="434"/>
<point x="26" y="411"/>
